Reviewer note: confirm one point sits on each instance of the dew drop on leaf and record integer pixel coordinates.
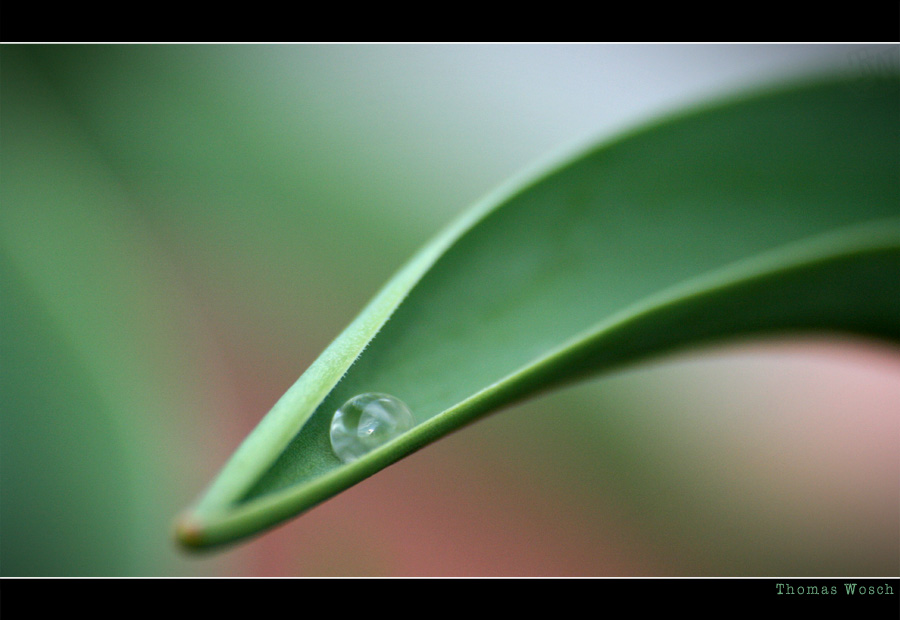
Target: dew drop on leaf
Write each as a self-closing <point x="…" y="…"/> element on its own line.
<point x="367" y="421"/>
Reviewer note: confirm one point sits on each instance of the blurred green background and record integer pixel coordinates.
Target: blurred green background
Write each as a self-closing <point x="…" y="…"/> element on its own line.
<point x="183" y="229"/>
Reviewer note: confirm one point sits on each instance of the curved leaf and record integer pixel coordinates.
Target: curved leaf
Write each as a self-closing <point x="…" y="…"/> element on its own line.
<point x="772" y="213"/>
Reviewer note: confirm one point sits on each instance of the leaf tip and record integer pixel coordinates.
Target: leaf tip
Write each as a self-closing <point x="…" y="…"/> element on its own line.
<point x="189" y="532"/>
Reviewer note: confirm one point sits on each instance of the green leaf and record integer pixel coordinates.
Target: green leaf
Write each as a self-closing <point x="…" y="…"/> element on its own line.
<point x="773" y="213"/>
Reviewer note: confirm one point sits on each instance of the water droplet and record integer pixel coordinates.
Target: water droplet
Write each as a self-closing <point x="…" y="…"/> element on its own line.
<point x="367" y="421"/>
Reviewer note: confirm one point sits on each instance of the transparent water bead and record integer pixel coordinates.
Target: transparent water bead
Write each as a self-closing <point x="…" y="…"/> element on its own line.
<point x="367" y="421"/>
